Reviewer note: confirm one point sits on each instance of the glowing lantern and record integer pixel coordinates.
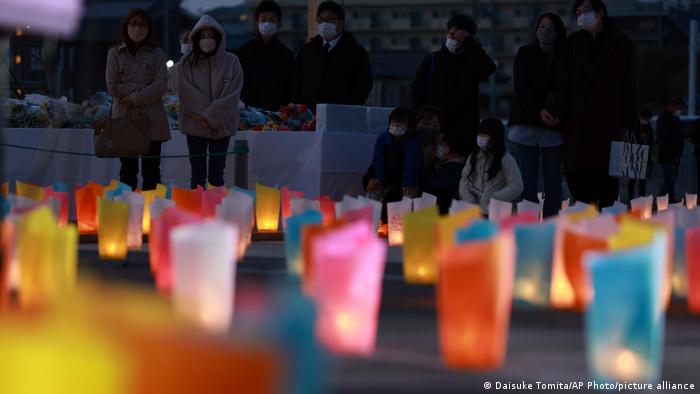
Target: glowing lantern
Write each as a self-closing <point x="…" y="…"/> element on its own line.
<point x="624" y="322"/>
<point x="685" y="219"/>
<point x="395" y="212"/>
<point x="156" y="208"/>
<point x="426" y="200"/>
<point x="211" y="199"/>
<point x="327" y="207"/>
<point x="376" y="210"/>
<point x="308" y="234"/>
<point x="565" y="204"/>
<point x="643" y="205"/>
<point x="617" y="208"/>
<point x="419" y="265"/>
<point x="204" y="273"/>
<point x="5" y="189"/>
<point x="188" y="200"/>
<point x="662" y="203"/>
<point x="459" y="206"/>
<point x="237" y="209"/>
<point x="267" y="208"/>
<point x="286" y="196"/>
<point x="499" y="210"/>
<point x="692" y="254"/>
<point x="528" y="206"/>
<point x="349" y="266"/>
<point x="30" y="191"/>
<point x="576" y="245"/>
<point x="347" y="204"/>
<point x="474" y="298"/>
<point x="135" y="201"/>
<point x="292" y="238"/>
<point x="691" y="200"/>
<point x="169" y="219"/>
<point x="534" y="256"/>
<point x="116" y="189"/>
<point x="86" y="207"/>
<point x="448" y="226"/>
<point x="149" y="196"/>
<point x="114" y="229"/>
<point x="63" y="200"/>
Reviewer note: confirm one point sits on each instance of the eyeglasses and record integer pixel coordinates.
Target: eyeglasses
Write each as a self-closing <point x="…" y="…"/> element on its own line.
<point x="327" y="20"/>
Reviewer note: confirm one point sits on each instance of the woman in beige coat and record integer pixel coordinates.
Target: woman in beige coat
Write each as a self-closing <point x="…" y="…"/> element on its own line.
<point x="209" y="89"/>
<point x="137" y="80"/>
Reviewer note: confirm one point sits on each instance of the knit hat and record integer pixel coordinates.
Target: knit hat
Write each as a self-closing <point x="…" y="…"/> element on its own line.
<point x="462" y="22"/>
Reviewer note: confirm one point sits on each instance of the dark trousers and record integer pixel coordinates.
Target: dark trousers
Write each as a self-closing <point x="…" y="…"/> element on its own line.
<point x="593" y="187"/>
<point x="631" y="188"/>
<point x="670" y="173"/>
<point x="528" y="158"/>
<point x="150" y="169"/>
<point x="217" y="163"/>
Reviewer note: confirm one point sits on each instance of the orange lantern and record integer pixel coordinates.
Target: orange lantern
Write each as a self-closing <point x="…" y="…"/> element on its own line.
<point x="308" y="235"/>
<point x="327" y="207"/>
<point x="575" y="246"/>
<point x="474" y="299"/>
<point x="86" y="207"/>
<point x="692" y="252"/>
<point x="5" y="189"/>
<point x="267" y="208"/>
<point x="188" y="200"/>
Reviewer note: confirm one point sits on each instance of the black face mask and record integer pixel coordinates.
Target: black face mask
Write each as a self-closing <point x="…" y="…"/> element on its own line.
<point x="428" y="135"/>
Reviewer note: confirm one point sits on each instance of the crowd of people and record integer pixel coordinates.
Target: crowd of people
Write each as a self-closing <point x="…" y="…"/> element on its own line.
<point x="574" y="95"/>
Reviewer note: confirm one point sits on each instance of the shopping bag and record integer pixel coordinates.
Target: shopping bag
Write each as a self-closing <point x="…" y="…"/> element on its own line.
<point x="628" y="159"/>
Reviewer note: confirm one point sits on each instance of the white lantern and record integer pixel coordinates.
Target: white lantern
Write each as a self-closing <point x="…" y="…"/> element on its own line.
<point x="136" y="201"/>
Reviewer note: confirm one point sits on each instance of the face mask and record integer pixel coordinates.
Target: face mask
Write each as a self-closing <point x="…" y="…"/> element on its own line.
<point x="547" y="35"/>
<point x="441" y="151"/>
<point x="588" y="20"/>
<point x="185" y="48"/>
<point x="207" y="45"/>
<point x="137" y="34"/>
<point x="326" y="30"/>
<point x="267" y="29"/>
<point x="397" y="131"/>
<point x="483" y="142"/>
<point x="428" y="135"/>
<point x="452" y="45"/>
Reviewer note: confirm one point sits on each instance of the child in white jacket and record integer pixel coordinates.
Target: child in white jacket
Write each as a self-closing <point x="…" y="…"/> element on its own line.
<point x="490" y="172"/>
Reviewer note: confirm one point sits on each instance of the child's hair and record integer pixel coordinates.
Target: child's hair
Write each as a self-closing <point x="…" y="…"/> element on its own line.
<point x="428" y="111"/>
<point x="452" y="141"/>
<point x="495" y="129"/>
<point x="403" y="114"/>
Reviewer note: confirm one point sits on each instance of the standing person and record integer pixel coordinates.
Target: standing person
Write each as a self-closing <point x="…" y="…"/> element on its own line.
<point x="490" y="172"/>
<point x="333" y="67"/>
<point x="450" y="77"/>
<point x="669" y="129"/>
<point x="209" y="89"/>
<point x="645" y="136"/>
<point x="597" y="101"/>
<point x="267" y="63"/>
<point x="137" y="80"/>
<point x="534" y="80"/>
<point x="443" y="178"/>
<point x="185" y="49"/>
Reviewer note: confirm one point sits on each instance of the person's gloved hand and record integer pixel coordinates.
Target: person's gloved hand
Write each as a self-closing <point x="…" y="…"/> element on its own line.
<point x="374" y="186"/>
<point x="410" y="191"/>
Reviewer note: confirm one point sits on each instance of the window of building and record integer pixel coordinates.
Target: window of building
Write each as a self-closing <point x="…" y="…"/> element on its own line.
<point x="416" y="19"/>
<point x="376" y="19"/>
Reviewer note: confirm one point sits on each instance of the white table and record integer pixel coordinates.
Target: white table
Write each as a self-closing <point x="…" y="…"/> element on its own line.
<point x="316" y="163"/>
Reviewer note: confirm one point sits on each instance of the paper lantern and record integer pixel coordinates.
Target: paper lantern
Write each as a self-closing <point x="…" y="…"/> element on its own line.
<point x="156" y="208"/>
<point x="478" y="230"/>
<point x="662" y="203"/>
<point x="116" y="189"/>
<point x="5" y="189"/>
<point x="692" y="253"/>
<point x="136" y="202"/>
<point x="347" y="204"/>
<point x="30" y="191"/>
<point x="308" y="234"/>
<point x="86" y="207"/>
<point x="679" y="280"/>
<point x="667" y="222"/>
<point x="267" y="208"/>
<point x="238" y="211"/>
<point x="292" y="238"/>
<point x="211" y="199"/>
<point x="349" y="266"/>
<point x="7" y="243"/>
<point x="419" y="264"/>
<point x="204" y="270"/>
<point x="426" y="200"/>
<point x="617" y="208"/>
<point x="114" y="229"/>
<point x="395" y="211"/>
<point x="448" y="226"/>
<point x="575" y="247"/>
<point x="459" y="206"/>
<point x="474" y="299"/>
<point x="149" y="196"/>
<point x="534" y="256"/>
<point x="301" y="205"/>
<point x="327" y="207"/>
<point x="63" y="199"/>
<point x="169" y="219"/>
<point x="624" y="322"/>
<point x="286" y="196"/>
<point x="499" y="210"/>
<point x="188" y="200"/>
<point x="528" y="206"/>
<point x="376" y="210"/>
<point x="691" y="200"/>
<point x="526" y="217"/>
<point x="643" y="205"/>
<point x="565" y="204"/>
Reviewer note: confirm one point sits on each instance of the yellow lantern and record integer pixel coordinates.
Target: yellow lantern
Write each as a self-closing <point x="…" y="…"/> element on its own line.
<point x="30" y="191"/>
<point x="419" y="264"/>
<point x="267" y="208"/>
<point x="448" y="226"/>
<point x="149" y="196"/>
<point x="114" y="228"/>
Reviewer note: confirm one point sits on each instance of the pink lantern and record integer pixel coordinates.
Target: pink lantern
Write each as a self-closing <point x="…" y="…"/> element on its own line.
<point x="63" y="199"/>
<point x="211" y="199"/>
<point x="168" y="220"/>
<point x="526" y="217"/>
<point x="362" y="214"/>
<point x="349" y="266"/>
<point x="286" y="196"/>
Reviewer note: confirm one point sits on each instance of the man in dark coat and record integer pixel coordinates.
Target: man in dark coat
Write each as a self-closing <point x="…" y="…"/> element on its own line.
<point x="597" y="101"/>
<point x="669" y="129"/>
<point x="332" y="68"/>
<point x="450" y="77"/>
<point x="267" y="63"/>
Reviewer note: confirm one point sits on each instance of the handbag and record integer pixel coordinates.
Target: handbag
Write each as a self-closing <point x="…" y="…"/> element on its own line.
<point x="628" y="158"/>
<point x="127" y="136"/>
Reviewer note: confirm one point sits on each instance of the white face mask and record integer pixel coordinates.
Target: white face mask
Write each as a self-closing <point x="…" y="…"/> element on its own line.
<point x="452" y="45"/>
<point x="483" y="142"/>
<point x="588" y="20"/>
<point x="137" y="34"/>
<point x="185" y="48"/>
<point x="397" y="131"/>
<point x="207" y="45"/>
<point x="326" y="30"/>
<point x="441" y="151"/>
<point x="267" y="29"/>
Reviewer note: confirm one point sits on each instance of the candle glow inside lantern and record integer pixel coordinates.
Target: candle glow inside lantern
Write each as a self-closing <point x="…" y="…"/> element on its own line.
<point x="349" y="266"/>
<point x="662" y="202"/>
<point x="136" y="202"/>
<point x="169" y="219"/>
<point x="86" y="207"/>
<point x="149" y="196"/>
<point x="114" y="229"/>
<point x="643" y="205"/>
<point x="692" y="252"/>
<point x="419" y="264"/>
<point x="286" y="196"/>
<point x="499" y="210"/>
<point x="267" y="208"/>
<point x="624" y="322"/>
<point x="534" y="256"/>
<point x="237" y="209"/>
<point x="474" y="299"/>
<point x="30" y="191"/>
<point x="292" y="238"/>
<point x="395" y="212"/>
<point x="691" y="200"/>
<point x="204" y="271"/>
